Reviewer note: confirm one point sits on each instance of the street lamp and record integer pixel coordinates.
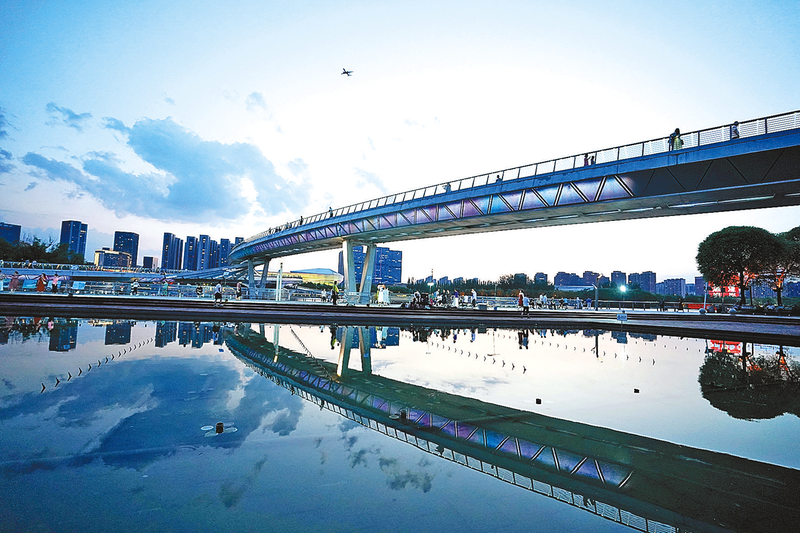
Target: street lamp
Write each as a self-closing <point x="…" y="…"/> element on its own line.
<point x="623" y="289"/>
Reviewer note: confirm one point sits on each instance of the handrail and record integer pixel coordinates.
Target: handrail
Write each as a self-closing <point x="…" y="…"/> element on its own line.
<point x="717" y="134"/>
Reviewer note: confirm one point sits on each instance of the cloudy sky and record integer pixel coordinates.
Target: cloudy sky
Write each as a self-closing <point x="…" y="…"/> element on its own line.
<point x="228" y="117"/>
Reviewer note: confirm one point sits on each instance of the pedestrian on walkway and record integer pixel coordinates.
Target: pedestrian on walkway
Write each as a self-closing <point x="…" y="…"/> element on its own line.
<point x="218" y="295"/>
<point x="735" y="130"/>
<point x="526" y="303"/>
<point x="41" y="282"/>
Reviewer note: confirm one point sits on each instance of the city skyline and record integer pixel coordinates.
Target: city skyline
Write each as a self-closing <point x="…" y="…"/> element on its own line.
<point x="178" y="123"/>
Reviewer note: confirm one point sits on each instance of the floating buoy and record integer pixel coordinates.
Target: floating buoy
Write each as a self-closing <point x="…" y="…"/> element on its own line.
<point x="220" y="427"/>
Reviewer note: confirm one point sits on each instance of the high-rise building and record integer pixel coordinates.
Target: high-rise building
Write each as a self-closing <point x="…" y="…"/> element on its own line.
<point x="675" y="286"/>
<point x="73" y="233"/>
<point x="567" y="279"/>
<point x="106" y="257"/>
<point x="149" y="262"/>
<point x="213" y="261"/>
<point x="128" y="242"/>
<point x="203" y="252"/>
<point x="388" y="265"/>
<point x="645" y="280"/>
<point x="172" y="252"/>
<point x="224" y="251"/>
<point x="238" y="240"/>
<point x="618" y="278"/>
<point x="10" y="232"/>
<point x="540" y="277"/>
<point x="190" y="253"/>
<point x="589" y="277"/>
<point x="699" y="285"/>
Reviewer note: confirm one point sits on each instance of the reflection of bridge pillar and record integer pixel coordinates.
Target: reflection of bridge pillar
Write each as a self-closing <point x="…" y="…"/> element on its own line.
<point x="366" y="274"/>
<point x="276" y="339"/>
<point x="364" y="343"/>
<point x="344" y="351"/>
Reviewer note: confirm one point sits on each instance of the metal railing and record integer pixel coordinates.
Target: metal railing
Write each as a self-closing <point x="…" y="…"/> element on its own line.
<point x="717" y="134"/>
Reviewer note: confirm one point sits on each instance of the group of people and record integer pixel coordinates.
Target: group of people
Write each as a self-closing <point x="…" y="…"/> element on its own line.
<point x="15" y="282"/>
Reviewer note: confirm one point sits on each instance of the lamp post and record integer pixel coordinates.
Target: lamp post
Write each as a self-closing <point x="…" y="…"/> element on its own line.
<point x="623" y="289"/>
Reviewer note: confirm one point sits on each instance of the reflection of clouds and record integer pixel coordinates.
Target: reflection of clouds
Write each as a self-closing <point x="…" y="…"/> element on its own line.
<point x="397" y="479"/>
<point x="232" y="491"/>
<point x="141" y="412"/>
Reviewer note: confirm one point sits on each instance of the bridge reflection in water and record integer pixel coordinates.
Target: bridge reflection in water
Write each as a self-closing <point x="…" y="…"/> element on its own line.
<point x="643" y="483"/>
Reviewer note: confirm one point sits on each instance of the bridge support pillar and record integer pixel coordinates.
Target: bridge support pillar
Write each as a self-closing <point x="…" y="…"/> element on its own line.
<point x="367" y="273"/>
<point x="262" y="285"/>
<point x="364" y="289"/>
<point x="349" y="268"/>
<point x="251" y="284"/>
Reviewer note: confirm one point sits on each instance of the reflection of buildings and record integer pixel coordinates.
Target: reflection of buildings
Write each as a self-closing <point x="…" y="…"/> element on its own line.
<point x="166" y="332"/>
<point x="195" y="334"/>
<point x="118" y="333"/>
<point x="643" y="483"/>
<point x="620" y="336"/>
<point x="64" y="336"/>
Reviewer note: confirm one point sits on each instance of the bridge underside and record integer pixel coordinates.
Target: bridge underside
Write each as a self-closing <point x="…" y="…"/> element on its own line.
<point x="702" y="181"/>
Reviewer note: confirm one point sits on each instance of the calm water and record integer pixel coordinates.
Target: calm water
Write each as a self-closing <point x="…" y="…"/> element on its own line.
<point x="110" y="425"/>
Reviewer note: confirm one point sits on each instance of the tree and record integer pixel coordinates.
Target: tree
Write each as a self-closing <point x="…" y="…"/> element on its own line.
<point x="787" y="264"/>
<point x="737" y="255"/>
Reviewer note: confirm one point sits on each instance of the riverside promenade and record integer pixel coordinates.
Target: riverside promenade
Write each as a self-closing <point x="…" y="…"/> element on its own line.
<point x="768" y="329"/>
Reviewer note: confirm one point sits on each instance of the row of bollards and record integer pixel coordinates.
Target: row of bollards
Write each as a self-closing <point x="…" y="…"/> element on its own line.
<point x="100" y="362"/>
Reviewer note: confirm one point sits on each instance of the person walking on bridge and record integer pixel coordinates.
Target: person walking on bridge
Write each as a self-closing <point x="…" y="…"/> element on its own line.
<point x="218" y="295"/>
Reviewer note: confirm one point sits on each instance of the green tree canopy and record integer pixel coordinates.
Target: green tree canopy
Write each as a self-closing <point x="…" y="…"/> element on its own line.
<point x="736" y="255"/>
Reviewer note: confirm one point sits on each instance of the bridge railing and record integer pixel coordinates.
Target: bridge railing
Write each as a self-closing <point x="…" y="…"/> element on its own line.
<point x="718" y="134"/>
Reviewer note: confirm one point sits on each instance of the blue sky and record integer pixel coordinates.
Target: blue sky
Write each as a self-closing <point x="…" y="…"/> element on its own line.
<point x="226" y="118"/>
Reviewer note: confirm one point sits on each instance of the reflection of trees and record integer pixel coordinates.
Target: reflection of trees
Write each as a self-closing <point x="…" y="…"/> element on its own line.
<point x="749" y="387"/>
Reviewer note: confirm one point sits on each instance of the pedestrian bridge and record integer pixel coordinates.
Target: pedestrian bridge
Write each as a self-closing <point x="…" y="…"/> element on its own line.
<point x="715" y="170"/>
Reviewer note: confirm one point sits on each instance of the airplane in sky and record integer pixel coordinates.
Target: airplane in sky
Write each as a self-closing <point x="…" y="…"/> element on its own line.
<point x="345" y="71"/>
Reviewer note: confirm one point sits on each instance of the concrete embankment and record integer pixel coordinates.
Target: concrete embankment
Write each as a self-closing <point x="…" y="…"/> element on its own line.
<point x="784" y="330"/>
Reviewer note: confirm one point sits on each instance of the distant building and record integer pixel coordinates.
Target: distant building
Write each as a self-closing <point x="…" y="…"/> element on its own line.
<point x="105" y="257"/>
<point x="224" y="251"/>
<point x="172" y="252"/>
<point x="673" y="287"/>
<point x="618" y="278"/>
<point x="540" y="277"/>
<point x="149" y="262"/>
<point x="443" y="281"/>
<point x="10" y="232"/>
<point x="762" y="289"/>
<point x="388" y="266"/>
<point x="238" y="240"/>
<point x="73" y="233"/>
<point x="590" y="278"/>
<point x="603" y="281"/>
<point x="645" y="280"/>
<point x="699" y="285"/>
<point x="568" y="279"/>
<point x="190" y="253"/>
<point x="205" y="251"/>
<point x="127" y="242"/>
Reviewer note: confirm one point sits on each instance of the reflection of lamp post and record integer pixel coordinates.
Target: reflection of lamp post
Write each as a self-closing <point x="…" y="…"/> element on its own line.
<point x="623" y="289"/>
